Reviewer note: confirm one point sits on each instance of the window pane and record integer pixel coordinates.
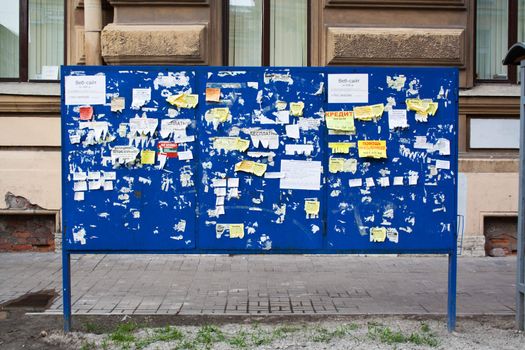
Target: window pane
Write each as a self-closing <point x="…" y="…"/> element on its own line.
<point x="245" y="33"/>
<point x="9" y="38"/>
<point x="46" y="38"/>
<point x="491" y="38"/>
<point x="288" y="33"/>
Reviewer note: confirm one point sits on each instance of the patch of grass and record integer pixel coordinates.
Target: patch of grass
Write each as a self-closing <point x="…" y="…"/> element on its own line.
<point x="425" y="328"/>
<point x="240" y="340"/>
<point x="323" y="335"/>
<point x="282" y="331"/>
<point x="92" y="327"/>
<point x="388" y="336"/>
<point x="123" y="334"/>
<point x="88" y="346"/>
<point x="165" y="334"/>
<point x="208" y="335"/>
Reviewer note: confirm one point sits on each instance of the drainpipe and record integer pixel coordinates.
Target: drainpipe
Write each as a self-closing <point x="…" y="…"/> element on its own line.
<point x="92" y="29"/>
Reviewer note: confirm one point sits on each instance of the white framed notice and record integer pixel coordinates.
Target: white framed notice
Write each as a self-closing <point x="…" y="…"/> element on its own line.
<point x="85" y="90"/>
<point x="347" y="88"/>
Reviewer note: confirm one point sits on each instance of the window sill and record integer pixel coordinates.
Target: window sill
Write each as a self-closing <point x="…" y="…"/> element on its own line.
<point x="492" y="90"/>
<point x="31" y="89"/>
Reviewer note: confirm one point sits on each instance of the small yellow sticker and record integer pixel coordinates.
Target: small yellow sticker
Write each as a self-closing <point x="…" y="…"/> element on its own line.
<point x="147" y="157"/>
<point x="377" y="234"/>
<point x="236" y="230"/>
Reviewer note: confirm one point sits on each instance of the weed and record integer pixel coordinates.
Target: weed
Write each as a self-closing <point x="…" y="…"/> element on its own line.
<point x="281" y="331"/>
<point x="123" y="334"/>
<point x="388" y="336"/>
<point x="87" y="346"/>
<point x="208" y="335"/>
<point x="323" y="335"/>
<point x="92" y="327"/>
<point x="240" y="340"/>
<point x="425" y="328"/>
<point x="165" y="334"/>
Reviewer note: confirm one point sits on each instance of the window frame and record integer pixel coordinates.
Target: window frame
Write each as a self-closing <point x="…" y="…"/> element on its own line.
<point x="512" y="38"/>
<point x="265" y="38"/>
<point x="23" y="46"/>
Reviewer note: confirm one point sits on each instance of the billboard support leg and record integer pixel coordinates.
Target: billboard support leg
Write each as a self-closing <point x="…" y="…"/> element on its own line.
<point x="66" y="290"/>
<point x="452" y="279"/>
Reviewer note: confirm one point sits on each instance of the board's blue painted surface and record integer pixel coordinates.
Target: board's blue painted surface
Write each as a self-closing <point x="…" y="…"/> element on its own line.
<point x="175" y="208"/>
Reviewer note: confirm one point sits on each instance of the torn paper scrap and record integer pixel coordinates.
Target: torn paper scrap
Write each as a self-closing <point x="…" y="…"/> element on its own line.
<point x="340" y="120"/>
<point x="268" y="138"/>
<point x="249" y="166"/>
<point x="216" y="116"/>
<point x="274" y="175"/>
<point x="118" y="104"/>
<point x="231" y="144"/>
<point x="185" y="155"/>
<point x="398" y="180"/>
<point x="442" y="164"/>
<point x="311" y="207"/>
<point x="392" y="235"/>
<point x="377" y="234"/>
<point x="367" y="113"/>
<point x="341" y="147"/>
<point x="355" y="182"/>
<point x="292" y="131"/>
<point x="124" y="154"/>
<point x="175" y="127"/>
<point x="397" y="119"/>
<point x="370" y="182"/>
<point x="301" y="174"/>
<point x="384" y="181"/>
<point x="342" y="165"/>
<point x="371" y="148"/>
<point x="218" y="182"/>
<point x="281" y="105"/>
<point x="270" y="155"/>
<point x="296" y="109"/>
<point x="183" y="100"/>
<point x="443" y="147"/>
<point x="422" y="107"/>
<point x="298" y="149"/>
<point x="396" y="83"/>
<point x="233" y="182"/>
<point x="213" y="94"/>
<point x="412" y="178"/>
<point x="140" y="97"/>
<point x="78" y="196"/>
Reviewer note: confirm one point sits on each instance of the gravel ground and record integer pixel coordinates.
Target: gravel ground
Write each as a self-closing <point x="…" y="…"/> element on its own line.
<point x="358" y="333"/>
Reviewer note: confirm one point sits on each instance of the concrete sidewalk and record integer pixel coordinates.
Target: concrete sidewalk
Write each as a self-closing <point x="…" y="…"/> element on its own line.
<point x="247" y="285"/>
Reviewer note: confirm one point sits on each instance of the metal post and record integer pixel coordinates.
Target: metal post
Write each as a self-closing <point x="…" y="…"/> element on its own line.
<point x="452" y="279"/>
<point x="66" y="289"/>
<point x="520" y="275"/>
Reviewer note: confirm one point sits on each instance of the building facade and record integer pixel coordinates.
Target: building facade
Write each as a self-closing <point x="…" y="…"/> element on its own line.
<point x="37" y="36"/>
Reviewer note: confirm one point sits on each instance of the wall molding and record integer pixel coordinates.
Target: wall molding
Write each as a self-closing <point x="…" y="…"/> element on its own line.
<point x="160" y="2"/>
<point x="416" y="4"/>
<point x="394" y="45"/>
<point x="30" y="104"/>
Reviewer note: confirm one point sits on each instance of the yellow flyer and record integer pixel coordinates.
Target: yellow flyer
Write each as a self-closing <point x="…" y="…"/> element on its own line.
<point x="249" y="166"/>
<point x="377" y="234"/>
<point x="340" y="120"/>
<point x="367" y="113"/>
<point x="372" y="148"/>
<point x="236" y="230"/>
<point x="147" y="157"/>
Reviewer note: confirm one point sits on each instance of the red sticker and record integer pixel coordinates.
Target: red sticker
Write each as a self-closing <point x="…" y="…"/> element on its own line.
<point x="168" y="148"/>
<point x="86" y="112"/>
